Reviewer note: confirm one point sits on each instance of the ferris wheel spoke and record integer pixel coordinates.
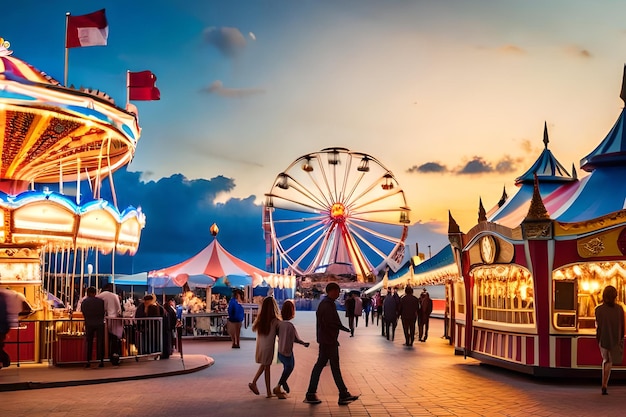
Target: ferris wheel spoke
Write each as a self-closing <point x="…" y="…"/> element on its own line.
<point x="301" y="231"/>
<point x="309" y="249"/>
<point x="373" y="200"/>
<point x="373" y="232"/>
<point x="300" y="220"/>
<point x="304" y="190"/>
<point x="325" y="179"/>
<point x="369" y="244"/>
<point x="299" y="204"/>
<point x="356" y="184"/>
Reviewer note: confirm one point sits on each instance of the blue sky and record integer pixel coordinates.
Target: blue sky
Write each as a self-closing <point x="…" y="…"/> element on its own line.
<point x="449" y="95"/>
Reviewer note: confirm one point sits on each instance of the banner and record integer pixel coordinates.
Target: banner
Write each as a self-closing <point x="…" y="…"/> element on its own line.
<point x="87" y="30"/>
<point x="142" y="86"/>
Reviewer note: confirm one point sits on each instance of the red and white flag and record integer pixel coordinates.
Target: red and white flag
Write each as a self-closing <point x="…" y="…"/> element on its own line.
<point x="142" y="86"/>
<point x="87" y="30"/>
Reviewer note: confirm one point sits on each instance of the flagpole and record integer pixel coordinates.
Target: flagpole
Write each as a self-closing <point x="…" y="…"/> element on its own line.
<point x="127" y="88"/>
<point x="67" y="51"/>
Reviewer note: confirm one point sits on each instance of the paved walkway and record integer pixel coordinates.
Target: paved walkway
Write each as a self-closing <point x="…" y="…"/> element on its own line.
<point x="427" y="380"/>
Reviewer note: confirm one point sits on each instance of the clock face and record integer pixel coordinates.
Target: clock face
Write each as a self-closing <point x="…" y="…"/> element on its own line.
<point x="488" y="249"/>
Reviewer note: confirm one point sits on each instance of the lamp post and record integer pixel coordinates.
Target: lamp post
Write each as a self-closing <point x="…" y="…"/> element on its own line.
<point x="429" y="254"/>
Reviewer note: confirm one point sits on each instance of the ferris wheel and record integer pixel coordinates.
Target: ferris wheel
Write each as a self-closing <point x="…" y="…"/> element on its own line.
<point x="335" y="212"/>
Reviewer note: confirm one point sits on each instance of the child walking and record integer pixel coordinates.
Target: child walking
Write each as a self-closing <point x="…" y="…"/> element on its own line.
<point x="287" y="335"/>
<point x="266" y="326"/>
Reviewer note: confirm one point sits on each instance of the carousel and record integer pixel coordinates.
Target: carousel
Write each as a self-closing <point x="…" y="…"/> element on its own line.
<point x="52" y="139"/>
<point x="533" y="268"/>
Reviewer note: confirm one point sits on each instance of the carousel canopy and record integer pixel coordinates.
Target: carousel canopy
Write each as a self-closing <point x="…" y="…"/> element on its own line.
<point x="49" y="132"/>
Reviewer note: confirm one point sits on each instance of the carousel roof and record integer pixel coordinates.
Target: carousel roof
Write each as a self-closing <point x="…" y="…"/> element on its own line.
<point x="48" y="131"/>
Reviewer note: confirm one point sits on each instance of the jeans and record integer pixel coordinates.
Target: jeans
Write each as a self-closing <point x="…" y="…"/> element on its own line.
<point x="327" y="353"/>
<point x="288" y="364"/>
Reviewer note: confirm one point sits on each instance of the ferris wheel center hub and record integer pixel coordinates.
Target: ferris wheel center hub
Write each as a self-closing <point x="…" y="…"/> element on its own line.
<point x="338" y="211"/>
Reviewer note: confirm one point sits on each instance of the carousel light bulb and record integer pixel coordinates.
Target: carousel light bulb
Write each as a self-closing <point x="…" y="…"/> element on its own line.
<point x="577" y="270"/>
<point x="585" y="285"/>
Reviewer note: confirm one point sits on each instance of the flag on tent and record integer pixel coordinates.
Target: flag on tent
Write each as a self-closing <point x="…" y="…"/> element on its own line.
<point x="142" y="86"/>
<point x="87" y="30"/>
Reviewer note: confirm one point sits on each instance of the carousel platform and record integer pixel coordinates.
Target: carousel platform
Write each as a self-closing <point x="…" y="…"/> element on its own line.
<point x="37" y="376"/>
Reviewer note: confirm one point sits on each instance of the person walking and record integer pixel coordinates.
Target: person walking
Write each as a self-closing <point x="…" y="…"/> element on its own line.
<point x="328" y="325"/>
<point x="93" y="311"/>
<point x="115" y="328"/>
<point x="390" y="315"/>
<point x="235" y="317"/>
<point x="408" y="310"/>
<point x="358" y="308"/>
<point x="350" y="305"/>
<point x="367" y="308"/>
<point x="287" y="336"/>
<point x="609" y="333"/>
<point x="378" y="308"/>
<point x="423" y="318"/>
<point x="266" y="326"/>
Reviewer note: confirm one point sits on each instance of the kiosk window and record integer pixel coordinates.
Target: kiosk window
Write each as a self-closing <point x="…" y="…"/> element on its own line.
<point x="564" y="295"/>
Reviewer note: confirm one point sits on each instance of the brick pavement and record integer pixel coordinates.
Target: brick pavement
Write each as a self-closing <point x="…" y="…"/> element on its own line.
<point x="428" y="380"/>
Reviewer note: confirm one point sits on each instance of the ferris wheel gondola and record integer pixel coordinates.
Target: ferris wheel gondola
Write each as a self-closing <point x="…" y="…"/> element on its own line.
<point x="336" y="212"/>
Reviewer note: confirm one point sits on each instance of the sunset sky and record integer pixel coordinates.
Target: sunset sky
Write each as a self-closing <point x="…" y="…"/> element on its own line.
<point x="450" y="95"/>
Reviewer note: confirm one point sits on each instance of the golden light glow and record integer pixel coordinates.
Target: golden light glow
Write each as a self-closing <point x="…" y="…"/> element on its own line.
<point x="337" y="211"/>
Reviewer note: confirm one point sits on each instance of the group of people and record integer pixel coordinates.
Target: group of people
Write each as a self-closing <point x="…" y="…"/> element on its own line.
<point x="96" y="308"/>
<point x="270" y="323"/>
<point x="408" y="309"/>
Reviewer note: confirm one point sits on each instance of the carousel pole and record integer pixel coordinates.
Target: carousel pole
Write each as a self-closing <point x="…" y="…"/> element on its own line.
<point x="74" y="276"/>
<point x="82" y="272"/>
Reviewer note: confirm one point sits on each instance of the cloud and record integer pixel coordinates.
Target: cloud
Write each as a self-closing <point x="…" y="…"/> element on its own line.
<point x="578" y="51"/>
<point x="217" y="87"/>
<point x="252" y="36"/>
<point x="428" y="167"/>
<point x="512" y="50"/>
<point x="228" y="40"/>
<point x="179" y="213"/>
<point x="506" y="165"/>
<point x="476" y="166"/>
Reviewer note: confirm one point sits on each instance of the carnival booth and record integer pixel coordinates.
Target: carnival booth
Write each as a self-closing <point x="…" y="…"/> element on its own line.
<point x="53" y="137"/>
<point x="205" y="314"/>
<point x="535" y="265"/>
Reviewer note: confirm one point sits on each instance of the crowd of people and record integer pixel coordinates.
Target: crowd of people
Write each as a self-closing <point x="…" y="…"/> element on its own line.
<point x="386" y="310"/>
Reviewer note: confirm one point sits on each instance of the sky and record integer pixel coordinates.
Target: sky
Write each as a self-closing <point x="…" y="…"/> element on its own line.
<point x="451" y="96"/>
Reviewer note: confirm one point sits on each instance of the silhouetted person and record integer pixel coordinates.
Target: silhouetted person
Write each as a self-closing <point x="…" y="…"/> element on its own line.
<point x="93" y="311"/>
<point x="423" y="318"/>
<point x="328" y="325"/>
<point x="390" y="314"/>
<point x="408" y="309"/>
<point x="609" y="333"/>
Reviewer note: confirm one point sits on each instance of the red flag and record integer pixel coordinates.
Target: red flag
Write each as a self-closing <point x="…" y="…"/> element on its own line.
<point x="141" y="86"/>
<point x="87" y="30"/>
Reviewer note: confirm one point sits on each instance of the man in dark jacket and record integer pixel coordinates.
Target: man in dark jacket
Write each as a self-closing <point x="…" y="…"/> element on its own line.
<point x="426" y="308"/>
<point x="390" y="314"/>
<point x="93" y="311"/>
<point x="409" y="307"/>
<point x="328" y="326"/>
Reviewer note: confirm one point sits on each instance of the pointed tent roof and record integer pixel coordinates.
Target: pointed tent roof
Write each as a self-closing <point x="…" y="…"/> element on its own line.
<point x="551" y="175"/>
<point x="546" y="167"/>
<point x="612" y="150"/>
<point x="213" y="261"/>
